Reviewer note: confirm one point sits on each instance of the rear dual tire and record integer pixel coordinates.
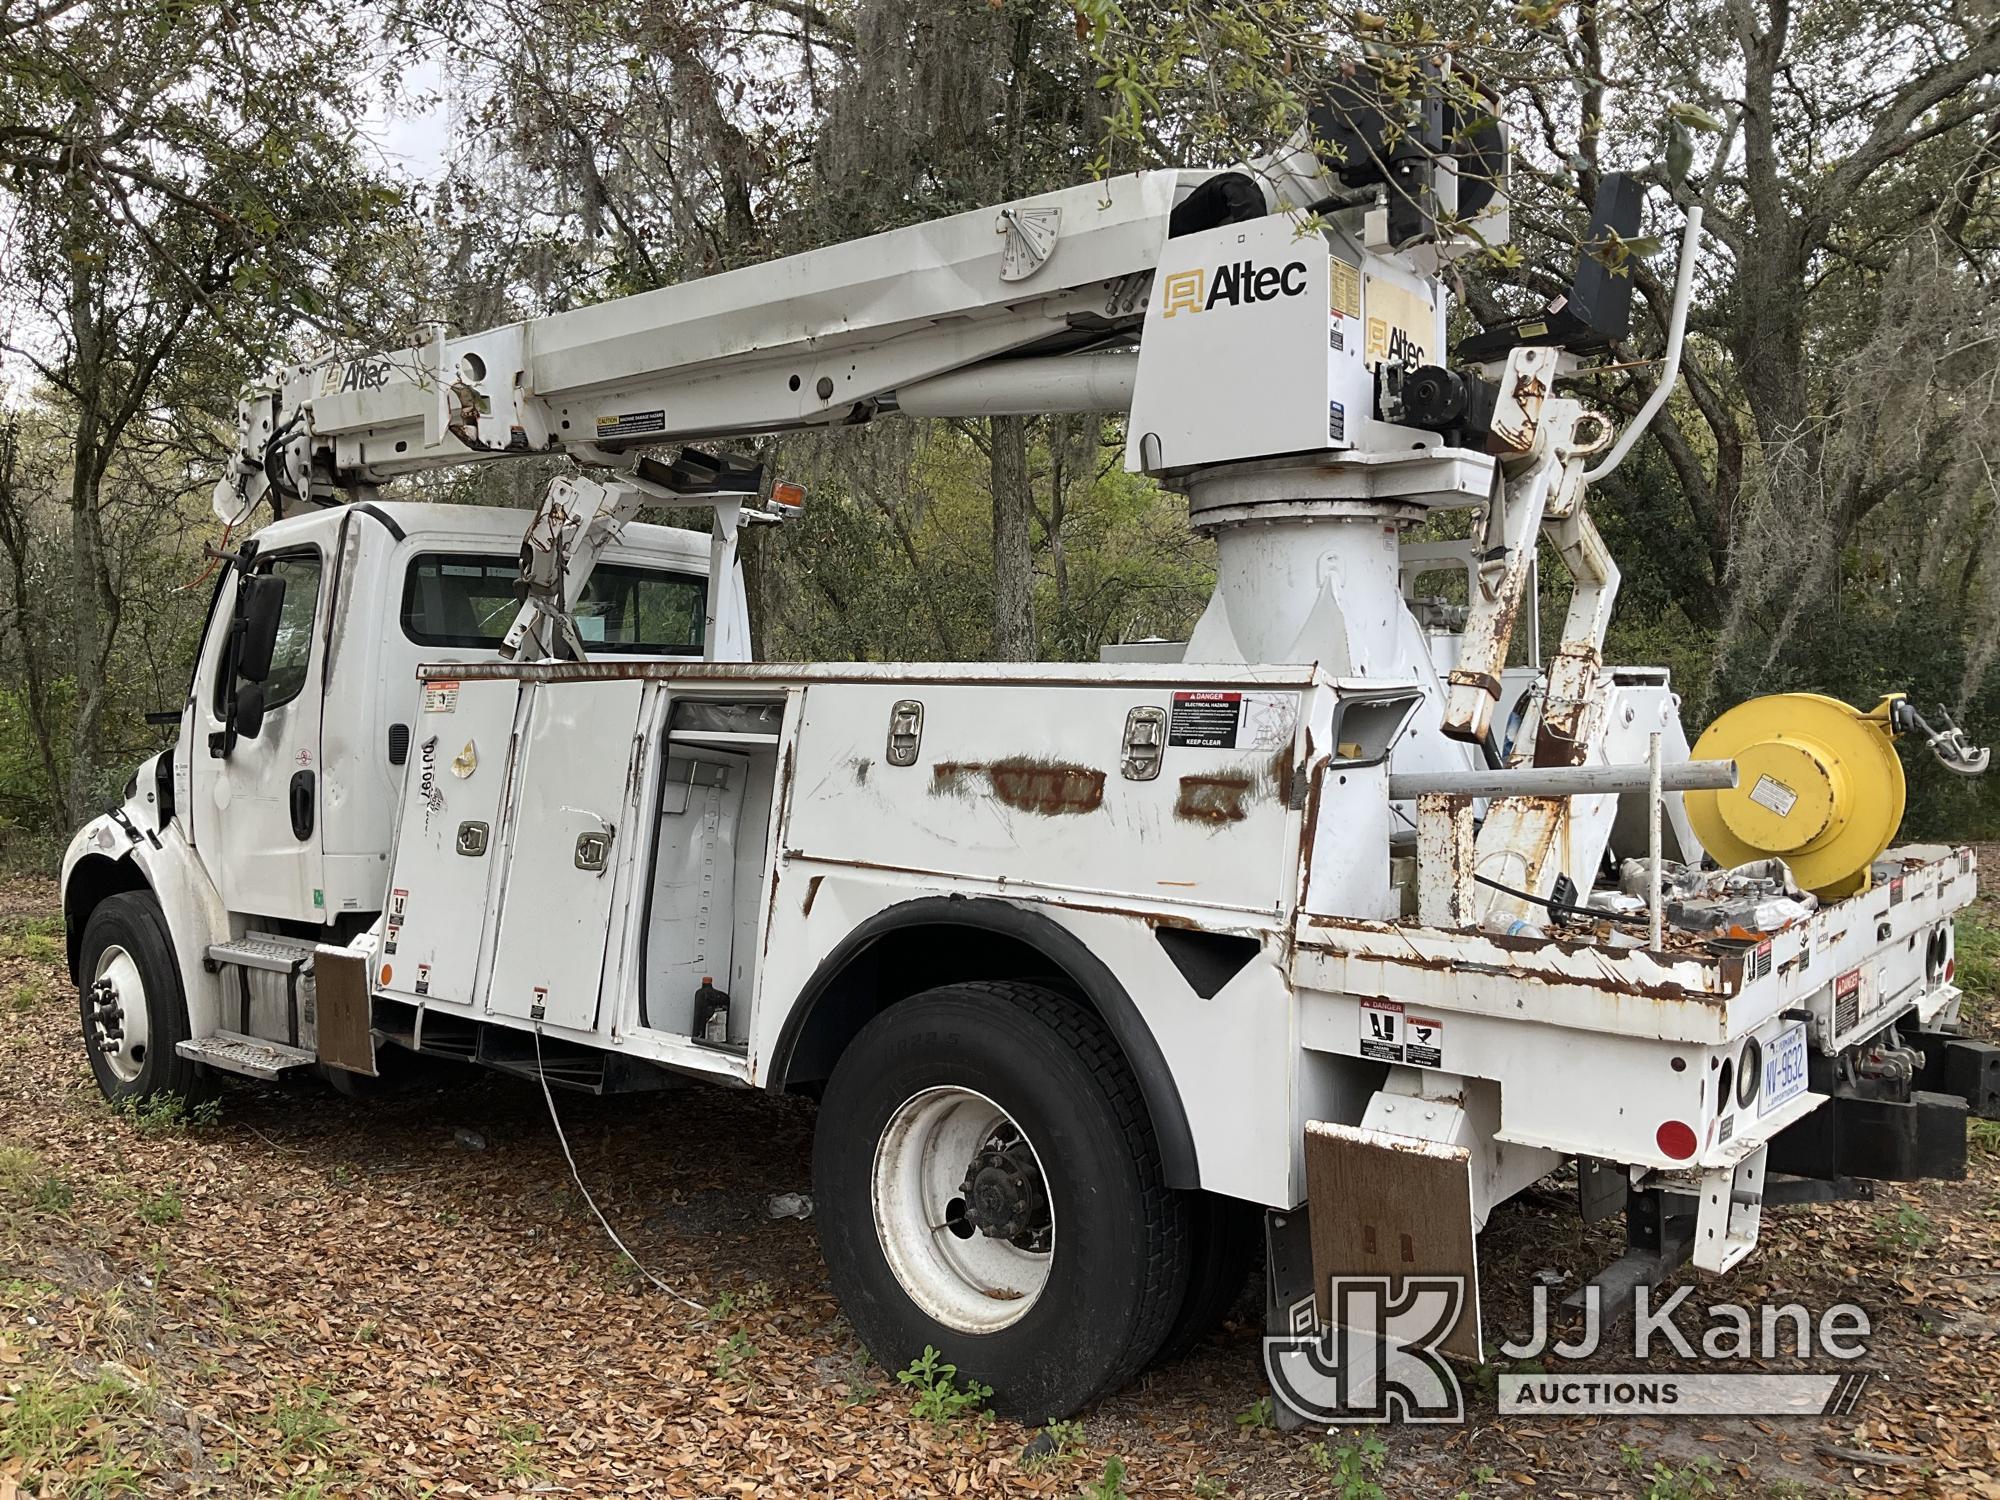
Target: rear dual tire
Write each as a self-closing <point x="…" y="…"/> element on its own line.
<point x="1052" y="1262"/>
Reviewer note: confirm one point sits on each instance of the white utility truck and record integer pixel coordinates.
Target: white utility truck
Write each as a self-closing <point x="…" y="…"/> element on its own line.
<point x="1104" y="974"/>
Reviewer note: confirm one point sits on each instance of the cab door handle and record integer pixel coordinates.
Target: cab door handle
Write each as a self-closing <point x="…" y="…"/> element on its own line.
<point x="302" y="801"/>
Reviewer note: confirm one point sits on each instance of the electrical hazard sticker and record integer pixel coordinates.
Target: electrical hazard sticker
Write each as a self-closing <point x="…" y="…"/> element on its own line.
<point x="1424" y="1042"/>
<point x="440" y="697"/>
<point x="423" y="979"/>
<point x="1233" y="721"/>
<point x="1382" y="1030"/>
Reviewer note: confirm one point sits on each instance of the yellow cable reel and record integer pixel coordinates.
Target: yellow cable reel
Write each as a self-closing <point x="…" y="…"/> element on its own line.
<point x="1819" y="785"/>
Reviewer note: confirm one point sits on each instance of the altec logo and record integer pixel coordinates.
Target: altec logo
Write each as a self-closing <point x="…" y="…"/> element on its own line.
<point x="1233" y="285"/>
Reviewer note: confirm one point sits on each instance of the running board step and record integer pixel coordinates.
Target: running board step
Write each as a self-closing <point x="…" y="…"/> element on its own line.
<point x="251" y="1056"/>
<point x="263" y="950"/>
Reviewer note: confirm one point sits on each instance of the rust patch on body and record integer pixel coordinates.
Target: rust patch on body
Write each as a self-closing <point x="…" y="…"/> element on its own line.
<point x="812" y="895"/>
<point x="1213" y="799"/>
<point x="1281" y="773"/>
<point x="1660" y="990"/>
<point x="1052" y="788"/>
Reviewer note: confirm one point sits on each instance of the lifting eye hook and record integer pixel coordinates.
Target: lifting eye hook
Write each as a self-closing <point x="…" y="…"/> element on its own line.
<point x="1949" y="744"/>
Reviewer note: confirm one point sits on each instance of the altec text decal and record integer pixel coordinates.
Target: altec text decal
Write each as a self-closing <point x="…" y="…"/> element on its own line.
<point x="1244" y="281"/>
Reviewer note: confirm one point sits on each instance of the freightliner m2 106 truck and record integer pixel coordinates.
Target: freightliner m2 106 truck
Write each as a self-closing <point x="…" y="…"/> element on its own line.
<point x="1327" y="931"/>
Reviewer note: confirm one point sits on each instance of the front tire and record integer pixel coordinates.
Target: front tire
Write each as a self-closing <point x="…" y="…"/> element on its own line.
<point x="988" y="1183"/>
<point x="134" y="1011"/>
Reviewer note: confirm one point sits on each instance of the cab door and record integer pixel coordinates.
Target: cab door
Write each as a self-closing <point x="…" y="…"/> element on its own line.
<point x="257" y="799"/>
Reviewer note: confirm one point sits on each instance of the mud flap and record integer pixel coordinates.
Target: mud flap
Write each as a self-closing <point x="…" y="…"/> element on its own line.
<point x="345" y="1007"/>
<point x="1385" y="1205"/>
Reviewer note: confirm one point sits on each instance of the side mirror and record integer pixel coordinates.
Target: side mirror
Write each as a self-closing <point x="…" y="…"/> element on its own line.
<point x="260" y="598"/>
<point x="246" y="717"/>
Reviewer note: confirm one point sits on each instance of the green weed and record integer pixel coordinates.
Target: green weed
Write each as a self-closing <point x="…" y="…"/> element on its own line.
<point x="1908" y="1231"/>
<point x="307" y="1422"/>
<point x="1065" y="1438"/>
<point x="30" y="995"/>
<point x="53" y="1195"/>
<point x="1111" y="1484"/>
<point x="19" y="1169"/>
<point x="1976" y="952"/>
<point x="167" y="1114"/>
<point x="732" y="1354"/>
<point x="1664" y="1482"/>
<point x="164" y="1207"/>
<point x="56" y="1430"/>
<point x="1258" y="1415"/>
<point x="37" y="939"/>
<point x="939" y="1400"/>
<point x="1352" y="1467"/>
<point x="521" y="1438"/>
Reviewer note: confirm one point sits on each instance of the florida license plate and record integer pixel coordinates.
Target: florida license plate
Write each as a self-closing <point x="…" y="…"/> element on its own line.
<point x="1785" y="1068"/>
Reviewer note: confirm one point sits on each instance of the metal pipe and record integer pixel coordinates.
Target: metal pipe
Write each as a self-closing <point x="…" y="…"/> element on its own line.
<point x="1671" y="370"/>
<point x="1566" y="781"/>
<point x="1653" y="793"/>
<point x="1026" y="387"/>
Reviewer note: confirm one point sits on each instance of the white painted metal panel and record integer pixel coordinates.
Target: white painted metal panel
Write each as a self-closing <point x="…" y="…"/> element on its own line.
<point x="795" y="341"/>
<point x="555" y="917"/>
<point x="1027" y="785"/>
<point x="439" y="898"/>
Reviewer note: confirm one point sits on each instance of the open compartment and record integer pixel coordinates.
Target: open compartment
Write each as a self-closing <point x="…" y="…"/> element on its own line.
<point x="711" y="826"/>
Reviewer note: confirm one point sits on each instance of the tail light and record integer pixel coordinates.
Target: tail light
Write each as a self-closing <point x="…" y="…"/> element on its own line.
<point x="1940" y="957"/>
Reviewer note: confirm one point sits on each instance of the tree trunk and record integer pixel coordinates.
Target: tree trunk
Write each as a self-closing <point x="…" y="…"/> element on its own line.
<point x="1013" y="558"/>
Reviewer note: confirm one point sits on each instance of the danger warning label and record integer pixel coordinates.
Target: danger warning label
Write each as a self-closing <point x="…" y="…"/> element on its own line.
<point x="1208" y="721"/>
<point x="1233" y="721"/>
<point x="1382" y="1030"/>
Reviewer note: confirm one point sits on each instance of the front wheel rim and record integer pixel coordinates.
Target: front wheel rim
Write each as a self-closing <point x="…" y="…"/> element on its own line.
<point x="973" y="1266"/>
<point x="119" y="1027"/>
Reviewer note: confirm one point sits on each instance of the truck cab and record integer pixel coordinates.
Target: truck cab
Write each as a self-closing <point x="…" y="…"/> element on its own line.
<point x="294" y="825"/>
<point x="286" y="832"/>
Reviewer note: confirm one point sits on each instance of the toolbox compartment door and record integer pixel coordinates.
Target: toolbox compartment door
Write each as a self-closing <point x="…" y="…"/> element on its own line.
<point x="569" y="837"/>
<point x="445" y="868"/>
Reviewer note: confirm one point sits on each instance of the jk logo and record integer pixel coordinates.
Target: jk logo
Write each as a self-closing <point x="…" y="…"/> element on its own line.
<point x="1378" y="1360"/>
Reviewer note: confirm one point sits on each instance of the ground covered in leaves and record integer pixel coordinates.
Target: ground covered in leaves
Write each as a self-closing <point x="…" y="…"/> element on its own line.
<point x="305" y="1295"/>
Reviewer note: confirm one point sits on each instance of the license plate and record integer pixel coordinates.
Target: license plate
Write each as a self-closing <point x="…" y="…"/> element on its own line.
<point x="1784" y="1068"/>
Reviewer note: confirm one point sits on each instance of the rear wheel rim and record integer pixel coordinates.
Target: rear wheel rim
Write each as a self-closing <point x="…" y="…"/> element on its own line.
<point x="951" y="1251"/>
<point x="119" y="1026"/>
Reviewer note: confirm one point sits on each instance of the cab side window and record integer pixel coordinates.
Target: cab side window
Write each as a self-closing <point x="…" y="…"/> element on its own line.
<point x="293" y="654"/>
<point x="291" y="658"/>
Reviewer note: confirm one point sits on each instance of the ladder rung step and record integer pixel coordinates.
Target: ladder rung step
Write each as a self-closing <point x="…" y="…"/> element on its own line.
<point x="264" y="950"/>
<point x="251" y="1056"/>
